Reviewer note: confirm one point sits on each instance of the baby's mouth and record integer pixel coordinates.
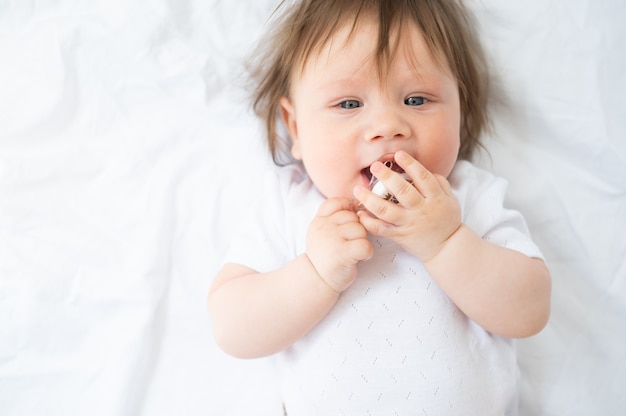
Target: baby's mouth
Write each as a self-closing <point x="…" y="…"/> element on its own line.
<point x="366" y="176"/>
<point x="377" y="187"/>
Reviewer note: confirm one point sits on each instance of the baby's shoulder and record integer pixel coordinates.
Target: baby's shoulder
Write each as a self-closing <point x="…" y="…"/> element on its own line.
<point x="469" y="181"/>
<point x="465" y="174"/>
<point x="478" y="191"/>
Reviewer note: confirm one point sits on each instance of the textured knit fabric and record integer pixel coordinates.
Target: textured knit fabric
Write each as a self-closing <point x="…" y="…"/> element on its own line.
<point x="394" y="344"/>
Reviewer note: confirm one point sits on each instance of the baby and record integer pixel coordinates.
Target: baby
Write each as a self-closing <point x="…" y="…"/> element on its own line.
<point x="371" y="305"/>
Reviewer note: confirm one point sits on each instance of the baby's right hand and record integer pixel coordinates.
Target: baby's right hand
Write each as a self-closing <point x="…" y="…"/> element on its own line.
<point x="337" y="242"/>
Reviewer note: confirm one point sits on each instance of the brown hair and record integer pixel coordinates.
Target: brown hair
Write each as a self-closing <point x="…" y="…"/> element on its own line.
<point x="303" y="27"/>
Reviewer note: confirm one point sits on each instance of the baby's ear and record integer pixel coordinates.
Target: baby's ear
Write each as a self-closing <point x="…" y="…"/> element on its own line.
<point x="288" y="114"/>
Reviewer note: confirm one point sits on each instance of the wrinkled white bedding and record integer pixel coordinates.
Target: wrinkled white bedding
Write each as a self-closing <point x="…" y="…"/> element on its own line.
<point x="128" y="152"/>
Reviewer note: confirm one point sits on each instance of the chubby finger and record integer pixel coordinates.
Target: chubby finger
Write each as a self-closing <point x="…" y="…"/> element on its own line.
<point x="375" y="226"/>
<point x="377" y="206"/>
<point x="334" y="205"/>
<point x="343" y="217"/>
<point x="360" y="250"/>
<point x="444" y="184"/>
<point x="396" y="184"/>
<point x="423" y="180"/>
<point x="353" y="230"/>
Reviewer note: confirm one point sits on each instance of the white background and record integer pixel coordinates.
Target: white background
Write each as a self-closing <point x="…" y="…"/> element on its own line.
<point x="128" y="152"/>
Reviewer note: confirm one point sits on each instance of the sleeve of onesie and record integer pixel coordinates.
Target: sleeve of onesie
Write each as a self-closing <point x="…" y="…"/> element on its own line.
<point x="481" y="195"/>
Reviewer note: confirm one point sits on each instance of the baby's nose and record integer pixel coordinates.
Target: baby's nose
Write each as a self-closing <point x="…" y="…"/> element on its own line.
<point x="387" y="124"/>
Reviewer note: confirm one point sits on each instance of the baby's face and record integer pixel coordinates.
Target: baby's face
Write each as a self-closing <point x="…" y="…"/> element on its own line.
<point x="341" y="117"/>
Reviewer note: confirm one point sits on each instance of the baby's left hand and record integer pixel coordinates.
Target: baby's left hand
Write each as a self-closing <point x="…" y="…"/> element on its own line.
<point x="427" y="213"/>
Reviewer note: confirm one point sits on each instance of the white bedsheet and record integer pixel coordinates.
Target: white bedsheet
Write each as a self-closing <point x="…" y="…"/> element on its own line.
<point x="128" y="151"/>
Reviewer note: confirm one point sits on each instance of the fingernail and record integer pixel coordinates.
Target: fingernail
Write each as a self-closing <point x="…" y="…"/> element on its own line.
<point x="401" y="154"/>
<point x="376" y="167"/>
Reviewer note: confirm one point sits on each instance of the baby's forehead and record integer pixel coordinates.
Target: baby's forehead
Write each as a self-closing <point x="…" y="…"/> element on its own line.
<point x="364" y="33"/>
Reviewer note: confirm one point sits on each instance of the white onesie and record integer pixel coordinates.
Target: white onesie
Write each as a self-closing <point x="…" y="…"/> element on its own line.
<point x="394" y="344"/>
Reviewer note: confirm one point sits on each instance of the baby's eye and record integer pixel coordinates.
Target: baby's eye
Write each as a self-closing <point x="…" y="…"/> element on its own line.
<point x="350" y="104"/>
<point x="415" y="101"/>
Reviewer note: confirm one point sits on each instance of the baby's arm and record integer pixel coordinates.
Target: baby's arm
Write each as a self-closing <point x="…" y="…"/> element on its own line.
<point x="504" y="291"/>
<point x="257" y="314"/>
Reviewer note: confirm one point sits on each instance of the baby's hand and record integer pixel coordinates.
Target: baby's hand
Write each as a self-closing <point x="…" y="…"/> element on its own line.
<point x="336" y="242"/>
<point x="426" y="215"/>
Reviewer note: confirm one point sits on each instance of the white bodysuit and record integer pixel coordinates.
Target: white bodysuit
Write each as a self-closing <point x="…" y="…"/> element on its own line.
<point x="394" y="344"/>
